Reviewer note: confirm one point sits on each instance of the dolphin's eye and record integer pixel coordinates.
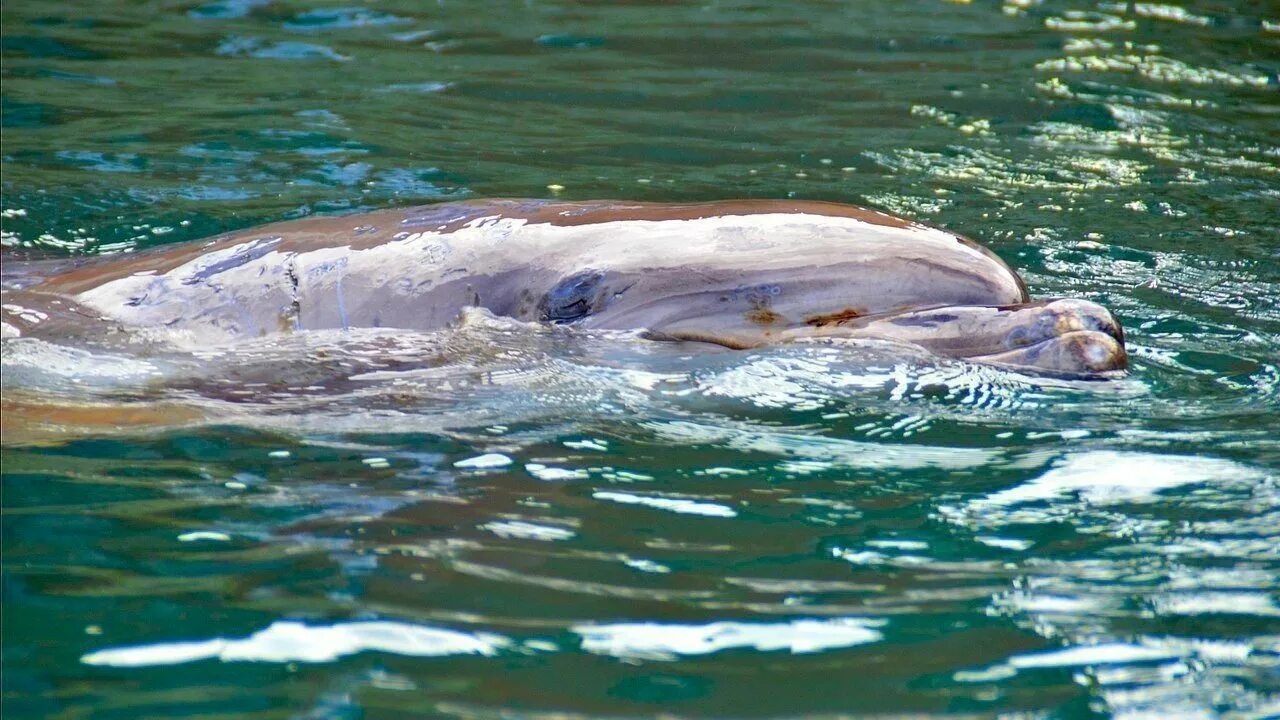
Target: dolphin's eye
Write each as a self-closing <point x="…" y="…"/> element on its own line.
<point x="1017" y="337"/>
<point x="573" y="298"/>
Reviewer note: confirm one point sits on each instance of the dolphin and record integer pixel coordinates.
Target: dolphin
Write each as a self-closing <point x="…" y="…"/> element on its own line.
<point x="739" y="274"/>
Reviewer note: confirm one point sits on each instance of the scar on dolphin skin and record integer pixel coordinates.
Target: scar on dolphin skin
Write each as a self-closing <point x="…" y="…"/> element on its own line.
<point x="924" y="321"/>
<point x="293" y="315"/>
<point x="836" y="318"/>
<point x="764" y="315"/>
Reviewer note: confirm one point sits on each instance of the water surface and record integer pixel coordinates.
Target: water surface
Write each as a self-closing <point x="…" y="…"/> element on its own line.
<point x="509" y="521"/>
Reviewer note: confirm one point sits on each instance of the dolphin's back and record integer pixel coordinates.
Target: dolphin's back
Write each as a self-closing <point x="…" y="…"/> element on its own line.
<point x="418" y="267"/>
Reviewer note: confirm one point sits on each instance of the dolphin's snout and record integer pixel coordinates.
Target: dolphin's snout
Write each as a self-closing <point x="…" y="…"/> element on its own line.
<point x="1068" y="336"/>
<point x="1080" y="352"/>
<point x="1074" y="315"/>
<point x="1085" y="351"/>
<point x="1037" y="322"/>
<point x="1072" y="337"/>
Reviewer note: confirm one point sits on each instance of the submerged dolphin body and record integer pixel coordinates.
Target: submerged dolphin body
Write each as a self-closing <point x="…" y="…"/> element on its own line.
<point x="739" y="274"/>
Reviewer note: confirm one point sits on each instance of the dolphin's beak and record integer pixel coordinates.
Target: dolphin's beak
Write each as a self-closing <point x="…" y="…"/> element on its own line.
<point x="1083" y="338"/>
<point x="1063" y="337"/>
<point x="1082" y="352"/>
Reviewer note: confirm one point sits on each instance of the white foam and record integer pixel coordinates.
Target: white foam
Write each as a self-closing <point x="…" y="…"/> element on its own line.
<point x="1114" y="653"/>
<point x="203" y="535"/>
<point x="659" y="640"/>
<point x="1100" y="654"/>
<point x="1148" y="650"/>
<point x="488" y="460"/>
<point x="1107" y="476"/>
<point x="286" y="641"/>
<point x="526" y="530"/>
<point x="678" y="505"/>
<point x="32" y="363"/>
<point x="1004" y="543"/>
<point x="1253" y="604"/>
<point x="899" y="544"/>
<point x="553" y="474"/>
<point x="648" y="566"/>
<point x="837" y="452"/>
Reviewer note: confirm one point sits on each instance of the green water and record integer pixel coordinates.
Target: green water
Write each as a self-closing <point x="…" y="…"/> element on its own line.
<point x="796" y="532"/>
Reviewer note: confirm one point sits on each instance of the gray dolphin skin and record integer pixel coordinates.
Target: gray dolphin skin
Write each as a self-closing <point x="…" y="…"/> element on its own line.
<point x="738" y="273"/>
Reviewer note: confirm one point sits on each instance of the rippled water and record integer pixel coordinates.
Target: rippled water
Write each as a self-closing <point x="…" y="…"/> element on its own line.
<point x="509" y="521"/>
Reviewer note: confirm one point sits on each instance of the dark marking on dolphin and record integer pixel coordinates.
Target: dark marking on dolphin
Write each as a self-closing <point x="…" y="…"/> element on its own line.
<point x="840" y="317"/>
<point x="764" y="315"/>
<point x="930" y="320"/>
<point x="293" y="316"/>
<point x="572" y="299"/>
<point x="244" y="254"/>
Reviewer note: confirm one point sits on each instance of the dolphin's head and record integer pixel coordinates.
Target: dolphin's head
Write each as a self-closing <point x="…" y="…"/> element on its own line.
<point x="1063" y="337"/>
<point x="972" y="316"/>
